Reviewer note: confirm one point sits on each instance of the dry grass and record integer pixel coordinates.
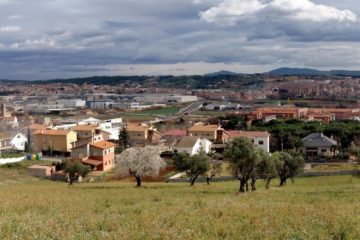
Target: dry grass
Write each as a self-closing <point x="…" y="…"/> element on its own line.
<point x="310" y="208"/>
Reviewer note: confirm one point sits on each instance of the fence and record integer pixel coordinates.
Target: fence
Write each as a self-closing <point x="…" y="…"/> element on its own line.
<point x="10" y="160"/>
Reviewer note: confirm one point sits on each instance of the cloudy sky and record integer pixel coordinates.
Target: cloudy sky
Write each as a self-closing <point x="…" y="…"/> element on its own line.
<point x="42" y="39"/>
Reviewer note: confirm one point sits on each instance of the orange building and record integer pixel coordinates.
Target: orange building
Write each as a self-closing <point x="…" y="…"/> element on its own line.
<point x="99" y="155"/>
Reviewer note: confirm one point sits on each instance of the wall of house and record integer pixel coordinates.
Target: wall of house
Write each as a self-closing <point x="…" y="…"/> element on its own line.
<point x="262" y="143"/>
<point x="18" y="142"/>
<point x="107" y="157"/>
<point x="137" y="136"/>
<point x="202" y="134"/>
<point x="60" y="143"/>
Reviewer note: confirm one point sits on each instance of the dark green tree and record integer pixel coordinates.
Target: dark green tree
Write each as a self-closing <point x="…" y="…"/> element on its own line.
<point x="289" y="165"/>
<point x="28" y="148"/>
<point x="243" y="160"/>
<point x="75" y="169"/>
<point x="267" y="168"/>
<point x="194" y="166"/>
<point x="123" y="139"/>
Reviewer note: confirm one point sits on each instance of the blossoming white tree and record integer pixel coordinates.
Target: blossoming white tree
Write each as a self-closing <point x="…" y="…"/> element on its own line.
<point x="142" y="161"/>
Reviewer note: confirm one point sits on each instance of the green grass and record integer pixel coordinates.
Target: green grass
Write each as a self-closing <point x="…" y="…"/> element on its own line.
<point x="334" y="167"/>
<point x="12" y="155"/>
<point x="24" y="164"/>
<point x="309" y="208"/>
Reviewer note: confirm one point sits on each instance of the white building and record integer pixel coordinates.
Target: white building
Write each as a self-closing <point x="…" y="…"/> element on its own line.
<point x="101" y="104"/>
<point x="192" y="145"/>
<point x="72" y="103"/>
<point x="18" y="142"/>
<point x="260" y="139"/>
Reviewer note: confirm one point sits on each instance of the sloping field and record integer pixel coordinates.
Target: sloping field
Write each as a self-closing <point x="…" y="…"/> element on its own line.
<point x="309" y="208"/>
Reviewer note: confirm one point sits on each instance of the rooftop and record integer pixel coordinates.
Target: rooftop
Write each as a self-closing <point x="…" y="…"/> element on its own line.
<point x="52" y="132"/>
<point x="186" y="142"/>
<point x="203" y="128"/>
<point x="103" y="144"/>
<point x="176" y="132"/>
<point x="85" y="128"/>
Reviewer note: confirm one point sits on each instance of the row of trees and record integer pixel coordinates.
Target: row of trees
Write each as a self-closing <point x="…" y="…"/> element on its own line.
<point x="247" y="163"/>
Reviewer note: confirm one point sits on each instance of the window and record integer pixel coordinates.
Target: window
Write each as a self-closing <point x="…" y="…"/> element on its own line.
<point x="261" y="142"/>
<point x="323" y="150"/>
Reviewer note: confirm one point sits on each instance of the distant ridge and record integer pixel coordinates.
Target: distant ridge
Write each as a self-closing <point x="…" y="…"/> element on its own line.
<point x="222" y="73"/>
<point x="312" y="72"/>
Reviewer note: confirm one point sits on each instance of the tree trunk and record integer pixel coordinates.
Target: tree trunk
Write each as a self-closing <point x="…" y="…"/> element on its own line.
<point x="193" y="179"/>
<point x="253" y="184"/>
<point x="208" y="180"/>
<point x="247" y="186"/>
<point x="282" y="181"/>
<point x="138" y="181"/>
<point x="242" y="185"/>
<point x="268" y="183"/>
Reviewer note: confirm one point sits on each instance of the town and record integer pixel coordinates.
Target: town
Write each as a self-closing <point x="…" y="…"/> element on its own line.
<point x="166" y="120"/>
<point x="85" y="122"/>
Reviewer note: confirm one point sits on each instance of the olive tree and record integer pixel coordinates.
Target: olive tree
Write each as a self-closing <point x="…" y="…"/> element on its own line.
<point x="194" y="166"/>
<point x="243" y="157"/>
<point x="267" y="168"/>
<point x="289" y="165"/>
<point x="141" y="162"/>
<point x="75" y="168"/>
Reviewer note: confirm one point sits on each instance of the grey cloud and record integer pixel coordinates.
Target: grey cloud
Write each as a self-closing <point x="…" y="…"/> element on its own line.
<point x="61" y="38"/>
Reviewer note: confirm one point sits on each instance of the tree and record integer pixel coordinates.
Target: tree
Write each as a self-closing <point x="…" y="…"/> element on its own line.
<point x="142" y="161"/>
<point x="216" y="168"/>
<point x="28" y="142"/>
<point x="289" y="165"/>
<point x="123" y="139"/>
<point x="267" y="168"/>
<point x="243" y="160"/>
<point x="194" y="166"/>
<point x="75" y="169"/>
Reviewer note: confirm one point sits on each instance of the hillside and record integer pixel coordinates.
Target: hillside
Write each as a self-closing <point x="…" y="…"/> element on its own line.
<point x="312" y="72"/>
<point x="184" y="82"/>
<point x="309" y="208"/>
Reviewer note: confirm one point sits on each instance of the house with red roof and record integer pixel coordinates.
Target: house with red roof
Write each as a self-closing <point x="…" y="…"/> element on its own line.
<point x="174" y="134"/>
<point x="99" y="155"/>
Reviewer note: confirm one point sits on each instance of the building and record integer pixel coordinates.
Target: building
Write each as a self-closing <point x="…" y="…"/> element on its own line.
<point x="99" y="155"/>
<point x="54" y="142"/>
<point x="174" y="134"/>
<point x="212" y="132"/>
<point x="101" y="104"/>
<point x="72" y="103"/>
<point x="3" y="111"/>
<point x="5" y="142"/>
<point x="192" y="145"/>
<point x="89" y="133"/>
<point x="19" y="141"/>
<point x="143" y="134"/>
<point x="260" y="139"/>
<point x="41" y="171"/>
<point x="319" y="145"/>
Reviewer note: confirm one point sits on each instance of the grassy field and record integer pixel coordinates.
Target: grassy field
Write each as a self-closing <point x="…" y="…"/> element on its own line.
<point x="309" y="208"/>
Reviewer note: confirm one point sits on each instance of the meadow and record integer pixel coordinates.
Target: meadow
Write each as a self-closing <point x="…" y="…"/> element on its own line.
<point x="308" y="208"/>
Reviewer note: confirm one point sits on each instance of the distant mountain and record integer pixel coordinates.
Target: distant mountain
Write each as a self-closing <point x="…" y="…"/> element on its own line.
<point x="222" y="73"/>
<point x="313" y="72"/>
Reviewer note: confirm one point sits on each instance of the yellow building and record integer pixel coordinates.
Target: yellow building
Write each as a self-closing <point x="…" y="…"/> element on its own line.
<point x="54" y="142"/>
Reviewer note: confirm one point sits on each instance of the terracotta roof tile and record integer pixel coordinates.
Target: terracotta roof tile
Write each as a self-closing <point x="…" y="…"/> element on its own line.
<point x="85" y="128"/>
<point x="103" y="144"/>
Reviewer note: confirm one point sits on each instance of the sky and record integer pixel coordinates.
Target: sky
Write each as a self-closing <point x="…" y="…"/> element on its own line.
<point x="47" y="39"/>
